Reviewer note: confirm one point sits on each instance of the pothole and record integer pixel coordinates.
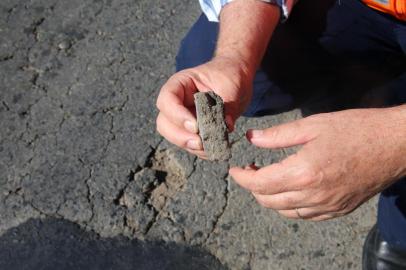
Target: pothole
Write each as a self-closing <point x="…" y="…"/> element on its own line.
<point x="149" y="189"/>
<point x="171" y="176"/>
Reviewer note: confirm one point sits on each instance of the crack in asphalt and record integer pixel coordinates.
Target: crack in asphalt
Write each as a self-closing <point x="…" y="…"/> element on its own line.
<point x="112" y="136"/>
<point x="153" y="221"/>
<point x="223" y="209"/>
<point x="30" y="138"/>
<point x="39" y="211"/>
<point x="121" y="191"/>
<point x="5" y="105"/>
<point x="89" y="196"/>
<point x="9" y="12"/>
<point x="6" y="57"/>
<point x="16" y="191"/>
<point x="35" y="26"/>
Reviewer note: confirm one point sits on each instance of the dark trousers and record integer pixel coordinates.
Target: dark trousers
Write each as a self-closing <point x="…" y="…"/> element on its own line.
<point x="328" y="56"/>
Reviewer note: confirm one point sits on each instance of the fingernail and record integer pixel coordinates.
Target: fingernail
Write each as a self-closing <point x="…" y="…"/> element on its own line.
<point x="194" y="145"/>
<point x="251" y="167"/>
<point x="191" y="126"/>
<point x="230" y="123"/>
<point x="252" y="133"/>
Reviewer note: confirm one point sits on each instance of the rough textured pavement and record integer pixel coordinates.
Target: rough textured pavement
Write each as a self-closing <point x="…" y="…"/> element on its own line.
<point x="79" y="154"/>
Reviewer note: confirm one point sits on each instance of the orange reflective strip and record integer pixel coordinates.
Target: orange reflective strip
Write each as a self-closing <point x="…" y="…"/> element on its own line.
<point x="400" y="6"/>
<point x="396" y="8"/>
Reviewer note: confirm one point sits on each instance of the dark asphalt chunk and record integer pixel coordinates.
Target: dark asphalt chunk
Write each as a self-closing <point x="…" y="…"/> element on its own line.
<point x="212" y="126"/>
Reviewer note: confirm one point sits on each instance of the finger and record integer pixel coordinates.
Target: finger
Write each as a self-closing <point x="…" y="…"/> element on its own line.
<point x="291" y="214"/>
<point x="288" y="175"/>
<point x="200" y="153"/>
<point x="230" y="122"/>
<point x="178" y="136"/>
<point x="247" y="178"/>
<point x="251" y="167"/>
<point x="307" y="214"/>
<point x="285" y="135"/>
<point x="322" y="218"/>
<point x="284" y="201"/>
<point x="174" y="98"/>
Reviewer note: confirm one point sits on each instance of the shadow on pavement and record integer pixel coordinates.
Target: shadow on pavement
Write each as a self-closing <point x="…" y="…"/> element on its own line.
<point x="60" y="244"/>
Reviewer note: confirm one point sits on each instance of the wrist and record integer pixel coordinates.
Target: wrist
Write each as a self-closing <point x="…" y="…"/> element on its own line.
<point x="245" y="69"/>
<point x="246" y="27"/>
<point x="395" y="120"/>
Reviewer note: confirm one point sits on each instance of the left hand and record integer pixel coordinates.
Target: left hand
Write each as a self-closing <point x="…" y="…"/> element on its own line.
<point x="347" y="157"/>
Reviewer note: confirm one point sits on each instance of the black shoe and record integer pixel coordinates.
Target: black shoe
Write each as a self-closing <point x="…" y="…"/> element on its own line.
<point x="378" y="255"/>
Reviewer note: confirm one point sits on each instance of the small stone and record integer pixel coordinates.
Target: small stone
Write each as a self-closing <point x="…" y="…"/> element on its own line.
<point x="64" y="45"/>
<point x="212" y="126"/>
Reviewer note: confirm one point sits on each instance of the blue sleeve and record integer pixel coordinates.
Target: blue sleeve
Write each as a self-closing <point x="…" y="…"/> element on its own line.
<point x="212" y="8"/>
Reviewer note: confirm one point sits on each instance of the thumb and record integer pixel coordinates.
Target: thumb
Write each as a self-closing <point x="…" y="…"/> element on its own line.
<point x="285" y="135"/>
<point x="230" y="122"/>
<point x="231" y="113"/>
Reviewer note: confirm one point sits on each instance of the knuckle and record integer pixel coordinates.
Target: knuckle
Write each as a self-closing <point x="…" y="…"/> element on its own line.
<point x="183" y="144"/>
<point x="343" y="208"/>
<point x="306" y="179"/>
<point x="290" y="214"/>
<point x="161" y="99"/>
<point x="319" y="176"/>
<point x="182" y="73"/>
<point x="158" y="124"/>
<point x="259" y="198"/>
<point x="273" y="133"/>
<point x="263" y="202"/>
<point x="311" y="171"/>
<point x="181" y="76"/>
<point x="256" y="188"/>
<point x="158" y="103"/>
<point x="177" y="75"/>
<point x="288" y="201"/>
<point x="158" y="128"/>
<point x="256" y="185"/>
<point x="298" y="125"/>
<point x="312" y="176"/>
<point x="338" y="208"/>
<point x="284" y="213"/>
<point x="319" y="199"/>
<point x="340" y="204"/>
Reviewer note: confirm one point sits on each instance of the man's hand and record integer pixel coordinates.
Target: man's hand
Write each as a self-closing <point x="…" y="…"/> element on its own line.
<point x="245" y="29"/>
<point x="176" y="120"/>
<point x="346" y="158"/>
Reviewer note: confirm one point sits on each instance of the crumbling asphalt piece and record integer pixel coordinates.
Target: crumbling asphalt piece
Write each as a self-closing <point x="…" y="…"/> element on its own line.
<point x="78" y="85"/>
<point x="212" y="125"/>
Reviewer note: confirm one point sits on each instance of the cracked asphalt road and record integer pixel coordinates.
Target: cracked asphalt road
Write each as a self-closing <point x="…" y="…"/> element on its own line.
<point x="79" y="151"/>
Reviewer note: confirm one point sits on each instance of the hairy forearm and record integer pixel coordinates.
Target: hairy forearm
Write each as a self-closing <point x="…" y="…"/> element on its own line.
<point x="385" y="134"/>
<point x="398" y="135"/>
<point x="246" y="27"/>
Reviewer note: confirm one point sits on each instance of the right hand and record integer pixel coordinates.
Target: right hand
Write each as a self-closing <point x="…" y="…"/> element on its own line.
<point x="176" y="121"/>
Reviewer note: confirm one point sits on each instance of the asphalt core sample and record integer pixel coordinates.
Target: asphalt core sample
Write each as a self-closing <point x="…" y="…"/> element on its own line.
<point x="212" y="126"/>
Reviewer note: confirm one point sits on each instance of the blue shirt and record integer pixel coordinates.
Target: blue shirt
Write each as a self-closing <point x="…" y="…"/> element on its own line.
<point x="212" y="8"/>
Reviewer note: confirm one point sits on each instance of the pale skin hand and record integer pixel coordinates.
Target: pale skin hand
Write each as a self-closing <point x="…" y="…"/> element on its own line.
<point x="245" y="29"/>
<point x="176" y="120"/>
<point x="346" y="158"/>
